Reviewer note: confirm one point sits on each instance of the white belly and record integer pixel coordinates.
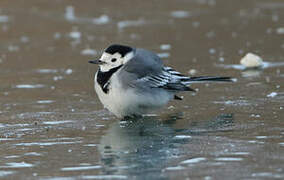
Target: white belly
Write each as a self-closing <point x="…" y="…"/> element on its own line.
<point x="126" y="102"/>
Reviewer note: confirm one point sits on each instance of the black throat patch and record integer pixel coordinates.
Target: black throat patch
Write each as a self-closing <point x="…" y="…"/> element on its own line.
<point x="103" y="78"/>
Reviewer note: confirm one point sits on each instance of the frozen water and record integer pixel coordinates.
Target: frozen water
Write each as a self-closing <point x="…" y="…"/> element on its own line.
<point x="89" y="52"/>
<point x="163" y="55"/>
<point x="128" y="23"/>
<point x="4" y="19"/>
<point x="228" y="159"/>
<point x="103" y="177"/>
<point x="165" y="47"/>
<point x="280" y="30"/>
<point x="174" y="168"/>
<point x="182" y="137"/>
<point x="194" y="160"/>
<point x="5" y="173"/>
<point x="56" y="122"/>
<point x="80" y="168"/>
<point x="45" y="101"/>
<point x="46" y="143"/>
<point x="273" y="94"/>
<point x="180" y="14"/>
<point x="69" y="13"/>
<point x="103" y="19"/>
<point x="68" y="71"/>
<point x="46" y="71"/>
<point x="75" y="34"/>
<point x="17" y="165"/>
<point x="29" y="86"/>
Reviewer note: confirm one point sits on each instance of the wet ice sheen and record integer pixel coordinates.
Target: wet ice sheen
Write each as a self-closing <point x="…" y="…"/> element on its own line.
<point x="4" y="18"/>
<point x="104" y="177"/>
<point x="174" y="168"/>
<point x="265" y="65"/>
<point x="80" y="168"/>
<point x="88" y="52"/>
<point x="182" y="137"/>
<point x="29" y="86"/>
<point x="228" y="159"/>
<point x="180" y="14"/>
<point x="56" y="122"/>
<point x="45" y="101"/>
<point x="129" y="23"/>
<point x="46" y="143"/>
<point x="194" y="160"/>
<point x="6" y="173"/>
<point x="17" y="165"/>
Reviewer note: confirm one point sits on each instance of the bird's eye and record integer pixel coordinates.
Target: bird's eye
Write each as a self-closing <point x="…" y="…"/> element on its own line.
<point x="113" y="59"/>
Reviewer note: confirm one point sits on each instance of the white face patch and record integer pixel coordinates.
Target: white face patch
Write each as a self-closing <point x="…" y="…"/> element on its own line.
<point x="114" y="60"/>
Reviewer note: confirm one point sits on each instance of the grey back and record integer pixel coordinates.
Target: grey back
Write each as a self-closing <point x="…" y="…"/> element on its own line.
<point x="144" y="63"/>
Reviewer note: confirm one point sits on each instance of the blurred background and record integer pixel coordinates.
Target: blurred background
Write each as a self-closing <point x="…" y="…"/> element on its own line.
<point x="52" y="125"/>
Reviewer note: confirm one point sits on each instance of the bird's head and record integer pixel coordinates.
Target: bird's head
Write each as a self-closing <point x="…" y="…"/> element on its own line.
<point x="114" y="56"/>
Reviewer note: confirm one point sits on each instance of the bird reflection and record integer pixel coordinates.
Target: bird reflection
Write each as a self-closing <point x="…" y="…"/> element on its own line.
<point x="148" y="144"/>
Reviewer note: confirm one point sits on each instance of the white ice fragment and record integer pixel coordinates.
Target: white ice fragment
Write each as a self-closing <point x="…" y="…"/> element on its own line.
<point x="165" y="47"/>
<point x="69" y="13"/>
<point x="251" y="61"/>
<point x="103" y="19"/>
<point x="273" y="94"/>
<point x="4" y="18"/>
<point x="75" y="34"/>
<point x="280" y="30"/>
<point x="180" y="14"/>
<point x="68" y="71"/>
<point x="88" y="51"/>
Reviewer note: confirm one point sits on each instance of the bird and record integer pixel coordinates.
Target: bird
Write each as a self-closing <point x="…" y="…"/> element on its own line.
<point x="131" y="82"/>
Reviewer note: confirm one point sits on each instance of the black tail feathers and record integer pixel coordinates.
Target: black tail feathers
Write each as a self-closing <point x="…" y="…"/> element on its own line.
<point x="209" y="78"/>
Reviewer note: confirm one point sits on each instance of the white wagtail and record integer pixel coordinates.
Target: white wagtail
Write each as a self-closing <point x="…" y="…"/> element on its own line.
<point x="133" y="81"/>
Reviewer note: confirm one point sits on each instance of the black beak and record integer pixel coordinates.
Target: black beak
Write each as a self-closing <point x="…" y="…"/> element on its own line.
<point x="96" y="62"/>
